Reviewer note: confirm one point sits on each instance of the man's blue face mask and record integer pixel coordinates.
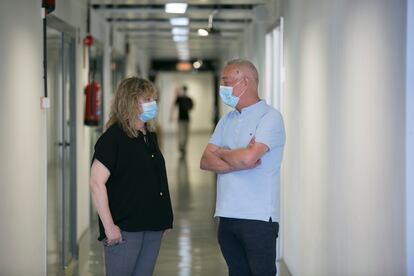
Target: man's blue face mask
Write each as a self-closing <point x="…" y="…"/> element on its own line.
<point x="149" y="111"/>
<point x="226" y="95"/>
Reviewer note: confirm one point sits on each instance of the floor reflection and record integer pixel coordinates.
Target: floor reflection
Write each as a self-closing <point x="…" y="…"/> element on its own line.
<point x="184" y="250"/>
<point x="183" y="194"/>
<point x="190" y="249"/>
<point x="183" y="198"/>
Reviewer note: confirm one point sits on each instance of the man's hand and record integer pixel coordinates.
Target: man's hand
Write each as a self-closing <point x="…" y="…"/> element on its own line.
<point x="249" y="146"/>
<point x="251" y="143"/>
<point x="258" y="162"/>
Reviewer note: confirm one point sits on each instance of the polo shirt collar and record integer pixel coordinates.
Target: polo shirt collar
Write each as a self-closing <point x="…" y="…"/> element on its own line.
<point x="252" y="107"/>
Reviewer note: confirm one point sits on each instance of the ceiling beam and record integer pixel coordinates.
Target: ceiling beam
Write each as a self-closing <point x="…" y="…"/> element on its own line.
<point x="167" y="21"/>
<point x="161" y="7"/>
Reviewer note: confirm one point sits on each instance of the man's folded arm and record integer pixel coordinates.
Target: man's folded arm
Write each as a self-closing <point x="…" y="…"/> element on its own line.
<point x="211" y="162"/>
<point x="243" y="158"/>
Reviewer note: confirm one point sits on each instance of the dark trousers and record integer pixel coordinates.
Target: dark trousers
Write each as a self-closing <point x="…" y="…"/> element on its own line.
<point x="248" y="246"/>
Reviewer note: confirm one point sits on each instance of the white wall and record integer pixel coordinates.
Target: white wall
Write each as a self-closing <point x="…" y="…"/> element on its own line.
<point x="410" y="139"/>
<point x="22" y="141"/>
<point x="344" y="162"/>
<point x="344" y="109"/>
<point x="200" y="89"/>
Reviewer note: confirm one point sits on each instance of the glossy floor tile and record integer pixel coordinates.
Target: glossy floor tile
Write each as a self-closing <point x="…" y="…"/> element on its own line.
<point x="191" y="248"/>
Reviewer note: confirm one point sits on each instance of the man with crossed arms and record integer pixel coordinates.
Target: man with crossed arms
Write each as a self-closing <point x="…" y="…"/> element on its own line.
<point x="246" y="152"/>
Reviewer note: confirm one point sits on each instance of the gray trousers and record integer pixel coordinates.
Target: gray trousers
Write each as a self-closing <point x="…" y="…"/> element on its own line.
<point x="135" y="255"/>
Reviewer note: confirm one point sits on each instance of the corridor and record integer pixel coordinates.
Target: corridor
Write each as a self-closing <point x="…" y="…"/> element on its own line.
<point x="341" y="73"/>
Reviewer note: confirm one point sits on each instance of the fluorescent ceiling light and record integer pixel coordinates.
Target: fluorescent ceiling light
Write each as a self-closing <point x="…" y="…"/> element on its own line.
<point x="184" y="51"/>
<point x="179" y="31"/>
<point x="186" y="58"/>
<point x="202" y="32"/>
<point x="180" y="38"/>
<point x="179" y="21"/>
<point x="182" y="45"/>
<point x="175" y="7"/>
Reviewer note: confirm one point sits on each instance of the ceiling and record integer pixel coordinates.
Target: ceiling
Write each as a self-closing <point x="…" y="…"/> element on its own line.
<point x="146" y="24"/>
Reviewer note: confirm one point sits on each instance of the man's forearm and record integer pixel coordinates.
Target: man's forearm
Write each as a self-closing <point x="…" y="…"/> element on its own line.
<point x="239" y="159"/>
<point x="211" y="162"/>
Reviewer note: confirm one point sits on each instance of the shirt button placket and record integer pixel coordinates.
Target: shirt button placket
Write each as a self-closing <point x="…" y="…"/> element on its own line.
<point x="238" y="125"/>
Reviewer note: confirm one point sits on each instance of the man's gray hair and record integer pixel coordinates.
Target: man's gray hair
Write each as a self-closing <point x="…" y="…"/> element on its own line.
<point x="243" y="63"/>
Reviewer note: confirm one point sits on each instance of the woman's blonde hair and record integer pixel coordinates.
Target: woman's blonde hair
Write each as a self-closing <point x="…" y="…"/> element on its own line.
<point x="125" y="108"/>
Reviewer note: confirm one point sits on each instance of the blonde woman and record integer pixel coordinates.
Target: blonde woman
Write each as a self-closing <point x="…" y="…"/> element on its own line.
<point x="129" y="182"/>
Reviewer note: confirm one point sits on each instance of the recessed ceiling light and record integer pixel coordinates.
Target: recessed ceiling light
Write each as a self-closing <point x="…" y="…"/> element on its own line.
<point x="202" y="32"/>
<point x="197" y="64"/>
<point x="175" y="7"/>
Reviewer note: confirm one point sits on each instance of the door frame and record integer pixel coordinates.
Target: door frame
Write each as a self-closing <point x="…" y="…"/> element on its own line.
<point x="274" y="97"/>
<point x="69" y="31"/>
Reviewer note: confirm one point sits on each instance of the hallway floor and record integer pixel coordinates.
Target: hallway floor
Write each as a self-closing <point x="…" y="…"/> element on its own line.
<point x="191" y="248"/>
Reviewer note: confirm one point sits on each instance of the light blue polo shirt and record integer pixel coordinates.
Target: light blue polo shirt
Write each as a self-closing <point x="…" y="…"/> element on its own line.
<point x="254" y="193"/>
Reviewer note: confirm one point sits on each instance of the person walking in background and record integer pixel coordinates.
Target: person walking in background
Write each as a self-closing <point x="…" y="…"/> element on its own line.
<point x="246" y="152"/>
<point x="184" y="104"/>
<point x="129" y="183"/>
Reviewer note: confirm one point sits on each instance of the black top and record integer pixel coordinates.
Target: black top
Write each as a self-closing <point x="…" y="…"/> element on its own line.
<point x="185" y="104"/>
<point x="139" y="199"/>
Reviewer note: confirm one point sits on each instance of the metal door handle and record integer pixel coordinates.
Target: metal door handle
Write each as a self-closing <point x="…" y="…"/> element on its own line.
<point x="67" y="144"/>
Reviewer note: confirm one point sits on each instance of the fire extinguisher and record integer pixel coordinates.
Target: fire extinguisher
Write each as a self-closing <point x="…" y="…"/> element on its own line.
<point x="92" y="104"/>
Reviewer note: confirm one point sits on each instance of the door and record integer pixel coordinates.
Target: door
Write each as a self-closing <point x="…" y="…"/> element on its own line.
<point x="61" y="182"/>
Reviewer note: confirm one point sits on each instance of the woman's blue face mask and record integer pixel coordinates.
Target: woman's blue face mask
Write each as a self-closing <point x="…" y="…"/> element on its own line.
<point x="149" y="111"/>
<point x="226" y="95"/>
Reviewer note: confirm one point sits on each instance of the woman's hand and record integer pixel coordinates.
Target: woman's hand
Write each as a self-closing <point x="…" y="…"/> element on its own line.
<point x="113" y="235"/>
